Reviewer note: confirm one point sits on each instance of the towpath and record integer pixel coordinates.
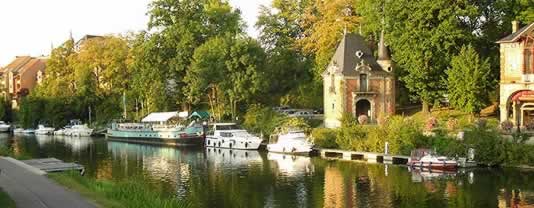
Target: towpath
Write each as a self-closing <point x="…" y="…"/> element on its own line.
<point x="29" y="188"/>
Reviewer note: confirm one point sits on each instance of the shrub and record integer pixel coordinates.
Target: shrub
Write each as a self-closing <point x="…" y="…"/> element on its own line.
<point x="507" y="126"/>
<point x="352" y="138"/>
<point x="261" y="119"/>
<point x="489" y="145"/>
<point x="324" y="138"/>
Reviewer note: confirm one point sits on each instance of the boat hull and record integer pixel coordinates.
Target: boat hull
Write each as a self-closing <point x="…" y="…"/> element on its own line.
<point x="290" y="149"/>
<point x="233" y="143"/>
<point x="435" y="165"/>
<point x="186" y="141"/>
<point x="4" y="128"/>
<point x="161" y="138"/>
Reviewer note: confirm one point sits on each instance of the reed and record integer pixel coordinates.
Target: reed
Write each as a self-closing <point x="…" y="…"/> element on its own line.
<point x="117" y="194"/>
<point x="5" y="200"/>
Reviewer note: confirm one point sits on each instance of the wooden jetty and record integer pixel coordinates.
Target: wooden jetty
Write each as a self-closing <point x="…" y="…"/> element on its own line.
<point x="370" y="157"/>
<point x="52" y="165"/>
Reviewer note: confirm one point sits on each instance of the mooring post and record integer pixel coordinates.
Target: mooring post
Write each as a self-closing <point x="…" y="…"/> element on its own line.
<point x="386" y="148"/>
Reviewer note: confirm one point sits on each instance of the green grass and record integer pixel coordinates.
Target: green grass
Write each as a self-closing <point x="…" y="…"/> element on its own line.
<point x="116" y="194"/>
<point x="5" y="200"/>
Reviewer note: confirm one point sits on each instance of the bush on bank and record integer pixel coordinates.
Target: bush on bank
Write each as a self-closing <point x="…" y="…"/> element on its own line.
<point x="265" y="120"/>
<point x="405" y="134"/>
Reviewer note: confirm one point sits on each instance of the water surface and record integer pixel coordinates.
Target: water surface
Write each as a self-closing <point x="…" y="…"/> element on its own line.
<point x="226" y="178"/>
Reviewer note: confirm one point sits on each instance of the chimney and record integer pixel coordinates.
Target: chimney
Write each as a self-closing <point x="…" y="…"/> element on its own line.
<point x="515" y="26"/>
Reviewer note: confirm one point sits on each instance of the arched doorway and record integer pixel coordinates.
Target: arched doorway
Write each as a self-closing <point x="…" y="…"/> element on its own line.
<point x="363" y="107"/>
<point x="520" y="108"/>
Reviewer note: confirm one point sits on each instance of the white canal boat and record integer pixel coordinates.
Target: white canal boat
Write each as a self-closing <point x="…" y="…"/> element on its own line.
<point x="229" y="135"/>
<point x="291" y="142"/>
<point x="79" y="130"/>
<point x="43" y="130"/>
<point x="4" y="127"/>
<point x="158" y="128"/>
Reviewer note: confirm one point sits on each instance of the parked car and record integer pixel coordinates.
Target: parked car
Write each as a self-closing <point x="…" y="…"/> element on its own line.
<point x="280" y="108"/>
<point x="302" y="114"/>
<point x="318" y="111"/>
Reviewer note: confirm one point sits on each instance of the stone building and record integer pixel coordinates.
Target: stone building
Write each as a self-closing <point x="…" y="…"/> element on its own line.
<point x="517" y="75"/>
<point x="356" y="82"/>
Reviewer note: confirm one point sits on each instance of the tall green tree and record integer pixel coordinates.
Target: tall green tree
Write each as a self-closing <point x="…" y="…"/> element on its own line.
<point x="468" y="80"/>
<point x="423" y="36"/>
<point x="180" y="26"/>
<point x="230" y="70"/>
<point x="287" y="66"/>
<point x="324" y="23"/>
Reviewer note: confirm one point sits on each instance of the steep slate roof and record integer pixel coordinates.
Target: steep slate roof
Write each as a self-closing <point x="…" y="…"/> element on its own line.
<point x="514" y="36"/>
<point x="345" y="56"/>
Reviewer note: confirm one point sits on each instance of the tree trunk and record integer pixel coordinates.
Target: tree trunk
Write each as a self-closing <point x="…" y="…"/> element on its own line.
<point x="426" y="108"/>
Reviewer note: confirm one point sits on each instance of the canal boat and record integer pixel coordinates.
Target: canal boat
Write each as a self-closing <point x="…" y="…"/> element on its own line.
<point x="291" y="142"/>
<point x="28" y="131"/>
<point x="18" y="130"/>
<point x="229" y="135"/>
<point x="43" y="130"/>
<point x="79" y="130"/>
<point x="4" y="127"/>
<point x="158" y="128"/>
<point x="426" y="158"/>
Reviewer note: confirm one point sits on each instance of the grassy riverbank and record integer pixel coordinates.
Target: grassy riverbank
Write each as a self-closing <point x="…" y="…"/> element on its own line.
<point x="116" y="194"/>
<point x="5" y="200"/>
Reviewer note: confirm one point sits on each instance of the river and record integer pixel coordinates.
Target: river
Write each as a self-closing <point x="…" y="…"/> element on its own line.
<point x="225" y="178"/>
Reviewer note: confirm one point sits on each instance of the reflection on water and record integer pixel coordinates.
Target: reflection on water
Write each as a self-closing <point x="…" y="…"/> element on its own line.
<point x="291" y="165"/>
<point x="236" y="178"/>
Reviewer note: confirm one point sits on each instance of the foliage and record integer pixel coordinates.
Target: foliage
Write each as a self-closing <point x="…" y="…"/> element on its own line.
<point x="5" y="200"/>
<point x="80" y="80"/>
<point x="294" y="123"/>
<point x="423" y="37"/>
<point x="181" y="26"/>
<point x="324" y="138"/>
<point x="230" y="69"/>
<point x="468" y="81"/>
<point x="288" y="68"/>
<point x="261" y="119"/>
<point x="125" y="193"/>
<point x="323" y="23"/>
<point x="507" y="126"/>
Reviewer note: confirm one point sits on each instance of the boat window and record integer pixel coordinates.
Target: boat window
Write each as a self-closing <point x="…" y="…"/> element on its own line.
<point x="226" y="127"/>
<point x="226" y="134"/>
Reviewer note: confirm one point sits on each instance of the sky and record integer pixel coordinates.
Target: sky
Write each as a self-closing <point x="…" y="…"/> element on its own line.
<point x="32" y="27"/>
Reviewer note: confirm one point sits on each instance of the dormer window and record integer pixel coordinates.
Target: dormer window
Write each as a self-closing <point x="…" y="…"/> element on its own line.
<point x="363" y="83"/>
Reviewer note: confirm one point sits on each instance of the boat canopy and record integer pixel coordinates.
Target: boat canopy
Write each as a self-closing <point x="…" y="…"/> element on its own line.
<point x="160" y="116"/>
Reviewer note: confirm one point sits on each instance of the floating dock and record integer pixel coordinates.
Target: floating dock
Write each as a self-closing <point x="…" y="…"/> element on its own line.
<point x="370" y="157"/>
<point x="52" y="165"/>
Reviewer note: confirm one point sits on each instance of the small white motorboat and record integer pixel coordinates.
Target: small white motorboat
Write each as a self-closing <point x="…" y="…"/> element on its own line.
<point x="28" y="131"/>
<point x="425" y="158"/>
<point x="291" y="142"/>
<point x="18" y="130"/>
<point x="79" y="130"/>
<point x="43" y="130"/>
<point x="60" y="132"/>
<point x="4" y="127"/>
<point x="229" y="135"/>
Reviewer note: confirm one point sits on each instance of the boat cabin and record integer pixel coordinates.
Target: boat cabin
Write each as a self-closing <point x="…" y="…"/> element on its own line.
<point x="419" y="153"/>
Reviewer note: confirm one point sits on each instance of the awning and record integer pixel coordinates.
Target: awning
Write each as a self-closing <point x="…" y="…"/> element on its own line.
<point x="160" y="116"/>
<point x="200" y="114"/>
<point x="523" y="95"/>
